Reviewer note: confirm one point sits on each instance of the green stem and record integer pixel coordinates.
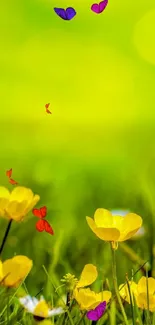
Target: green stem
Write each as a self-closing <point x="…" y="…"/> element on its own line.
<point x="5" y="235"/>
<point x="116" y="286"/>
<point x="67" y="305"/>
<point x="81" y="319"/>
<point x="67" y="311"/>
<point x="131" y="300"/>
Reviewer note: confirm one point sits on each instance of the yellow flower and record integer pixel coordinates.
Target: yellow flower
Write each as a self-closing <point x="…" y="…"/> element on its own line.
<point x="18" y="203"/>
<point x="114" y="228"/>
<point x="124" y="292"/>
<point x="86" y="298"/>
<point x="14" y="270"/>
<point x="39" y="308"/>
<point x="140" y="293"/>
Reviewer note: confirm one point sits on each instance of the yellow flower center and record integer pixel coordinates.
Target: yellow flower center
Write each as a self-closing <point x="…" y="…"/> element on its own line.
<point x="41" y="309"/>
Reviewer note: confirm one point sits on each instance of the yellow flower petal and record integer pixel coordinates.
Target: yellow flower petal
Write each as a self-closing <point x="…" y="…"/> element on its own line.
<point x="86" y="298"/>
<point x="21" y="193"/>
<point x="15" y="210"/>
<point x="4" y="199"/>
<point x="15" y="270"/>
<point x="31" y="204"/>
<point x="88" y="276"/>
<point x="142" y="302"/>
<point x="131" y="223"/>
<point x="107" y="234"/>
<point x="103" y="218"/>
<point x="41" y="309"/>
<point x="117" y="222"/>
<point x="18" y="203"/>
<point x="103" y="296"/>
<point x="142" y="285"/>
<point x="124" y="292"/>
<point x="1" y="271"/>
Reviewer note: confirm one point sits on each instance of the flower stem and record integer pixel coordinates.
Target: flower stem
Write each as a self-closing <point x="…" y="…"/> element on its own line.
<point x="131" y="300"/>
<point x="67" y="305"/>
<point x="5" y="235"/>
<point x="116" y="286"/>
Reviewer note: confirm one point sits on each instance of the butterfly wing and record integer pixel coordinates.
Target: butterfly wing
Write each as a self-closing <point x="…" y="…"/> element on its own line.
<point x="48" y="228"/>
<point x="37" y="213"/>
<point x="9" y="173"/>
<point x="70" y="12"/>
<point x="61" y="13"/>
<point x="95" y="7"/>
<point x="98" y="312"/>
<point x="12" y="181"/>
<point x="100" y="309"/>
<point x="48" y="111"/>
<point x="43" y="211"/>
<point x="92" y="315"/>
<point x="102" y="5"/>
<point x="47" y="105"/>
<point x="40" y="225"/>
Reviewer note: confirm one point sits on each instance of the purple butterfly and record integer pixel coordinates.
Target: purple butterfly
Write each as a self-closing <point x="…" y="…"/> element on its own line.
<point x="67" y="14"/>
<point x="98" y="312"/>
<point x="98" y="8"/>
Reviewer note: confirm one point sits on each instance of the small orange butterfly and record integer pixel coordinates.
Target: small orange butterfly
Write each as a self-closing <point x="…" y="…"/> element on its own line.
<point x="9" y="173"/>
<point x="47" y="110"/>
<point x="42" y="224"/>
<point x="12" y="181"/>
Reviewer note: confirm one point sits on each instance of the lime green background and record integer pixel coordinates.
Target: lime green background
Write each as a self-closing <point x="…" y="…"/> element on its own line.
<point x="97" y="147"/>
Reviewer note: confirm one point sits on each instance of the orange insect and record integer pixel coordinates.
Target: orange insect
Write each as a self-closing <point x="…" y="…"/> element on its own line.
<point x="42" y="224"/>
<point x="47" y="110"/>
<point x="9" y="173"/>
<point x="12" y="181"/>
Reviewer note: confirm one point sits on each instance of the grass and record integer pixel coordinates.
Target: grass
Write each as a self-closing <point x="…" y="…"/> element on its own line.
<point x="69" y="200"/>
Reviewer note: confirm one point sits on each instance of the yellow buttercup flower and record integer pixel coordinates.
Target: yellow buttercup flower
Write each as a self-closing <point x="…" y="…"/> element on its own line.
<point x="14" y="270"/>
<point x="140" y="293"/>
<point x="86" y="298"/>
<point x="114" y="228"/>
<point x="18" y="203"/>
<point x="124" y="292"/>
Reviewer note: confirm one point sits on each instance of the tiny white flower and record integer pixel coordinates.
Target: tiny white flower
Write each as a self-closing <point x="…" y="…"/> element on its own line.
<point x="39" y="308"/>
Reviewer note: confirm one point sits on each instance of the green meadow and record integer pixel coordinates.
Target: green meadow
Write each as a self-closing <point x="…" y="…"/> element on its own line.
<point x="96" y="149"/>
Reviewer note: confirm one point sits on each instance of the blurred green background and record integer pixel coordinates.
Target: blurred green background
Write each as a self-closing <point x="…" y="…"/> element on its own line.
<point x="97" y="147"/>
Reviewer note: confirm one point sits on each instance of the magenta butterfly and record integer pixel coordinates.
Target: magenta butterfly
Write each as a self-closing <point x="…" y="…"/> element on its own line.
<point x="98" y="312"/>
<point x="98" y="8"/>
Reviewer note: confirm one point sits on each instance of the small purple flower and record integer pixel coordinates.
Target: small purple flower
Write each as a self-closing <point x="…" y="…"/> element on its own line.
<point x="98" y="312"/>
